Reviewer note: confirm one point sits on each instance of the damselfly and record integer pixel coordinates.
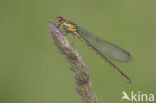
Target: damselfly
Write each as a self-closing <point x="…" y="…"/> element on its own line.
<point x="101" y="47"/>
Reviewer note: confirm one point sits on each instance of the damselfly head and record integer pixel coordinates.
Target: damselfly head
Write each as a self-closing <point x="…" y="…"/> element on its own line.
<point x="59" y="19"/>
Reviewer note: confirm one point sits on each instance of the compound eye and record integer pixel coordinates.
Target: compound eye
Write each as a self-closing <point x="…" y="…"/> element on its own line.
<point x="59" y="20"/>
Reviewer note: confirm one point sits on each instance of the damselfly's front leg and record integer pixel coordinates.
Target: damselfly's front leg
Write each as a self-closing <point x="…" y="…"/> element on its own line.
<point x="73" y="40"/>
<point x="58" y="26"/>
<point x="63" y="31"/>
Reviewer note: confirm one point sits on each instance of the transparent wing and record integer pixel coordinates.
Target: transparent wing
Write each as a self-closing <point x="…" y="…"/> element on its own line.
<point x="107" y="49"/>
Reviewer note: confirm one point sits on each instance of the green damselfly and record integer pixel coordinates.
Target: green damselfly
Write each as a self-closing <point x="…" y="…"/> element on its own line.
<point x="102" y="48"/>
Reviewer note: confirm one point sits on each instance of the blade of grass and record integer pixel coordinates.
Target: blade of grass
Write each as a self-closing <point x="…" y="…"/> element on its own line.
<point x="77" y="65"/>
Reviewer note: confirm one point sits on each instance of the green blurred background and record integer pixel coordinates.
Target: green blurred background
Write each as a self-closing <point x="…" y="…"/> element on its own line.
<point x="32" y="70"/>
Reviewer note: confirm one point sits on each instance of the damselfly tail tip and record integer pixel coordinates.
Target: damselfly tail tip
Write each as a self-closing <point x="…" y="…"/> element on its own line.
<point x="128" y="80"/>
